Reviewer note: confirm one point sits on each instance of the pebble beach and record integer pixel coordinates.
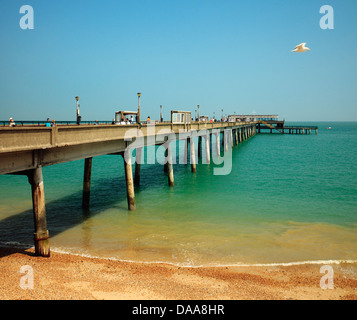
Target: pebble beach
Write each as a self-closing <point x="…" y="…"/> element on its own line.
<point x="72" y="277"/>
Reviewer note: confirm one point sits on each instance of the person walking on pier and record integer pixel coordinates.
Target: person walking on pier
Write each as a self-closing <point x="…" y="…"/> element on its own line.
<point x="53" y="124"/>
<point x="48" y="123"/>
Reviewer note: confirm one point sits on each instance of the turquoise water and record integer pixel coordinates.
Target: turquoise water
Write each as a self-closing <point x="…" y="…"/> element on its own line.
<point x="288" y="198"/>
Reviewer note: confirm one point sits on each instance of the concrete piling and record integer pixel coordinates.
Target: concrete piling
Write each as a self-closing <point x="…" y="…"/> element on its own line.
<point x="86" y="182"/>
<point x="225" y="138"/>
<point x="166" y="163"/>
<point x="192" y="154"/>
<point x="208" y="152"/>
<point x="218" y="145"/>
<point x="199" y="149"/>
<point x="170" y="170"/>
<point x="137" y="166"/>
<point x="185" y="154"/>
<point x="41" y="234"/>
<point x="129" y="180"/>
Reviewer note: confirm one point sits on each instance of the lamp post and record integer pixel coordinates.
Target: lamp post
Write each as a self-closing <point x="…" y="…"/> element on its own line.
<point x="161" y="119"/>
<point x="222" y="115"/>
<point x="198" y="112"/>
<point x="138" y="115"/>
<point x="77" y="110"/>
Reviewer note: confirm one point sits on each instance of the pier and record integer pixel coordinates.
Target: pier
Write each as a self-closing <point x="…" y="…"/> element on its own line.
<point x="26" y="149"/>
<point x="279" y="127"/>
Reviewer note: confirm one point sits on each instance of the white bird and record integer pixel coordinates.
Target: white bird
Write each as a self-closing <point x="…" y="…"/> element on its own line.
<point x="301" y="48"/>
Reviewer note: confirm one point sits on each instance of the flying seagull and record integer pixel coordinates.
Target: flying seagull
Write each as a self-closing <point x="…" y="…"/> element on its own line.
<point x="301" y="48"/>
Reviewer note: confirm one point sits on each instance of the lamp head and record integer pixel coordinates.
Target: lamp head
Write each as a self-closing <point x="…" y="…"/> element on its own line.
<point x="77" y="98"/>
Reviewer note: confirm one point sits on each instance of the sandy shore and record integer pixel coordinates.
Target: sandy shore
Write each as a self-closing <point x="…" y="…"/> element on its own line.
<point x="64" y="276"/>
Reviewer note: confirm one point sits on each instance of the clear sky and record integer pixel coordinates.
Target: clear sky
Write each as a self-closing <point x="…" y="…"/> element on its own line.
<point x="230" y="55"/>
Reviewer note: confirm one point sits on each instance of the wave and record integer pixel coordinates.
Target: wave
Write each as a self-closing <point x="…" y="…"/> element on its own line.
<point x="18" y="245"/>
<point x="212" y="265"/>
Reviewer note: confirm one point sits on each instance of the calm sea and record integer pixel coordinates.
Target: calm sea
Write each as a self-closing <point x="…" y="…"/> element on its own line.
<point x="288" y="198"/>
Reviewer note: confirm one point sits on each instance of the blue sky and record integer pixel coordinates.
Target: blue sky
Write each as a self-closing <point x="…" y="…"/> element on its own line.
<point x="231" y="55"/>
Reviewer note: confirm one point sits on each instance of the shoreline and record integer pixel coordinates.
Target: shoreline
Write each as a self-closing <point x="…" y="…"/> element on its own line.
<point x="23" y="247"/>
<point x="66" y="276"/>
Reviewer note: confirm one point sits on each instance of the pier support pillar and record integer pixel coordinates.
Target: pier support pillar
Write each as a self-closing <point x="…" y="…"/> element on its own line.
<point x="208" y="152"/>
<point x="199" y="150"/>
<point x="170" y="169"/>
<point x="86" y="182"/>
<point x="225" y="140"/>
<point x="185" y="153"/>
<point x="218" y="145"/>
<point x="137" y="166"/>
<point x="236" y="136"/>
<point x="166" y="169"/>
<point x="129" y="180"/>
<point x="192" y="155"/>
<point x="41" y="235"/>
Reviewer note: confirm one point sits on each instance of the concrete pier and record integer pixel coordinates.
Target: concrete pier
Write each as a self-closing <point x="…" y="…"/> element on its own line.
<point x="26" y="149"/>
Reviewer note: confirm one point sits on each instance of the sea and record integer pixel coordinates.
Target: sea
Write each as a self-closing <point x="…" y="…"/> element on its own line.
<point x="288" y="199"/>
